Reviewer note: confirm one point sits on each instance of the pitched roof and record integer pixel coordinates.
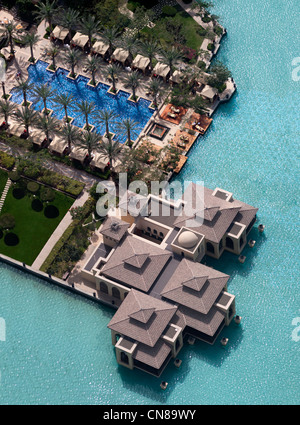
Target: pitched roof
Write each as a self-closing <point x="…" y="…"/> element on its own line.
<point x="80" y="39"/>
<point x="136" y="263"/>
<point x="195" y="286"/>
<point x="60" y="32"/>
<point x="152" y="356"/>
<point x="114" y="228"/>
<point x="161" y="69"/>
<point x="100" y="47"/>
<point x="215" y="215"/>
<point x="120" y="55"/>
<point x="141" y="62"/>
<point x="142" y="317"/>
<point x="205" y="323"/>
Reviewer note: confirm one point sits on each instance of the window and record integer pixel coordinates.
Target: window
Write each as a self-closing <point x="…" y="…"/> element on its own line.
<point x="115" y="293"/>
<point x="149" y="229"/>
<point x="229" y="243"/>
<point x="155" y="231"/>
<point x="161" y="234"/>
<point x="103" y="288"/>
<point x="210" y="247"/>
<point x="124" y="358"/>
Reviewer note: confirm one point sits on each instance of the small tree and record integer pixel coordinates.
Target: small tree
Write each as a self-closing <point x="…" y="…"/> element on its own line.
<point x="31" y="39"/>
<point x="43" y="92"/>
<point x="64" y="100"/>
<point x="219" y="74"/>
<point x="111" y="73"/>
<point x="129" y="127"/>
<point x="72" y="58"/>
<point x="7" y="221"/>
<point x="46" y="10"/>
<point x="133" y="81"/>
<point x="6" y="109"/>
<point x="86" y="108"/>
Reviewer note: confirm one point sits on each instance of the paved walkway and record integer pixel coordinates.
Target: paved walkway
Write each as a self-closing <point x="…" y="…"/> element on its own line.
<point x="58" y="167"/>
<point x="58" y="232"/>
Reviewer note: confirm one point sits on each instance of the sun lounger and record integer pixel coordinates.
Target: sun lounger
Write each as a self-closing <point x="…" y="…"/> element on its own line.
<point x="176" y="110"/>
<point x="171" y="115"/>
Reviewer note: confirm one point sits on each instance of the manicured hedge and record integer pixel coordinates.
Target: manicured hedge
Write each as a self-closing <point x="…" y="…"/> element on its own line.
<point x="6" y="161"/>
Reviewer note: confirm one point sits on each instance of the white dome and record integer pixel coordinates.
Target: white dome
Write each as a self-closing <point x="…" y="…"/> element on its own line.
<point x="187" y="239"/>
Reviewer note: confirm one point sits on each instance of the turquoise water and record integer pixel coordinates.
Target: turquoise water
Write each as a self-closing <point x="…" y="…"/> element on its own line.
<point x="58" y="349"/>
<point x="139" y="112"/>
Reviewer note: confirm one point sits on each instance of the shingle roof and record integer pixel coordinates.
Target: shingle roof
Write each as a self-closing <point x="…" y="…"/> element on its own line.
<point x="114" y="228"/>
<point x="152" y="356"/>
<point x="205" y="323"/>
<point x="195" y="286"/>
<point x="142" y="318"/>
<point x="136" y="263"/>
<point x="217" y="214"/>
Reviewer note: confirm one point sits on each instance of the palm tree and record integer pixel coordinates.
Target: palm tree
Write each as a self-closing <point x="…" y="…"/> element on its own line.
<point x="110" y="35"/>
<point x="133" y="81"/>
<point x="6" y="109"/>
<point x="70" y="133"/>
<point x="111" y="73"/>
<point x="103" y="118"/>
<point x="64" y="100"/>
<point x="43" y="92"/>
<point x="155" y="88"/>
<point x="86" y="108"/>
<point x="92" y="64"/>
<point x="90" y="26"/>
<point x="68" y="18"/>
<point x="23" y="87"/>
<point x="199" y="105"/>
<point x="110" y="149"/>
<point x="128" y="126"/>
<point x="47" y="124"/>
<point x="89" y="141"/>
<point x="171" y="58"/>
<point x="71" y="58"/>
<point x="27" y="117"/>
<point x="53" y="52"/>
<point x="149" y="49"/>
<point x="31" y="39"/>
<point x="46" y="10"/>
<point x="10" y="32"/>
<point x="130" y="44"/>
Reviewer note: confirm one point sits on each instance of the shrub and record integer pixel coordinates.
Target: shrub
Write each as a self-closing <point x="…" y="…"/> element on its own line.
<point x="18" y="193"/>
<point x="33" y="187"/>
<point x="6" y="161"/>
<point x="169" y="10"/>
<point x="210" y="47"/>
<point x="14" y="176"/>
<point x="47" y="194"/>
<point x="37" y="205"/>
<point x="51" y="211"/>
<point x="206" y="19"/>
<point x="218" y="30"/>
<point x="11" y="239"/>
<point x="201" y="64"/>
<point x="7" y="221"/>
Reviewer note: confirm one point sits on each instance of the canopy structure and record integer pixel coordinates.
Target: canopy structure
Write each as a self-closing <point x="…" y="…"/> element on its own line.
<point x="100" y="48"/>
<point x="58" y="145"/>
<point x="141" y="62"/>
<point x="176" y="77"/>
<point x="80" y="40"/>
<point x="37" y="137"/>
<point x="6" y="53"/>
<point x="78" y="153"/>
<point x="99" y="161"/>
<point x="120" y="55"/>
<point x="60" y="33"/>
<point x="161" y="69"/>
<point x="209" y="93"/>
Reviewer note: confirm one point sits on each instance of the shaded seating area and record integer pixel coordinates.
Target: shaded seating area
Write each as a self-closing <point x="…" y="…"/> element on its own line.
<point x="199" y="123"/>
<point x="122" y="56"/>
<point x="141" y="62"/>
<point x="80" y="40"/>
<point x="37" y="137"/>
<point x="100" y="48"/>
<point x="161" y="70"/>
<point x="58" y="146"/>
<point x="78" y="154"/>
<point x="99" y="162"/>
<point x="173" y="114"/>
<point x="209" y="93"/>
<point x="176" y="77"/>
<point x="61" y="34"/>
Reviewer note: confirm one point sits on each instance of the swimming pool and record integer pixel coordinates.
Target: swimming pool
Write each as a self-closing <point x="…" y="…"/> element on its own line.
<point x="119" y="104"/>
<point x="58" y="347"/>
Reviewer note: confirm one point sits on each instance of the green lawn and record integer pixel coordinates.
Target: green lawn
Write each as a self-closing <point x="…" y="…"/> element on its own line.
<point x="189" y="30"/>
<point x="32" y="228"/>
<point x="3" y="180"/>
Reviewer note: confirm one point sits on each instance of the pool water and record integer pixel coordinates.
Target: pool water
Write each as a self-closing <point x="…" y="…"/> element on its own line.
<point x="58" y="349"/>
<point x="139" y="112"/>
